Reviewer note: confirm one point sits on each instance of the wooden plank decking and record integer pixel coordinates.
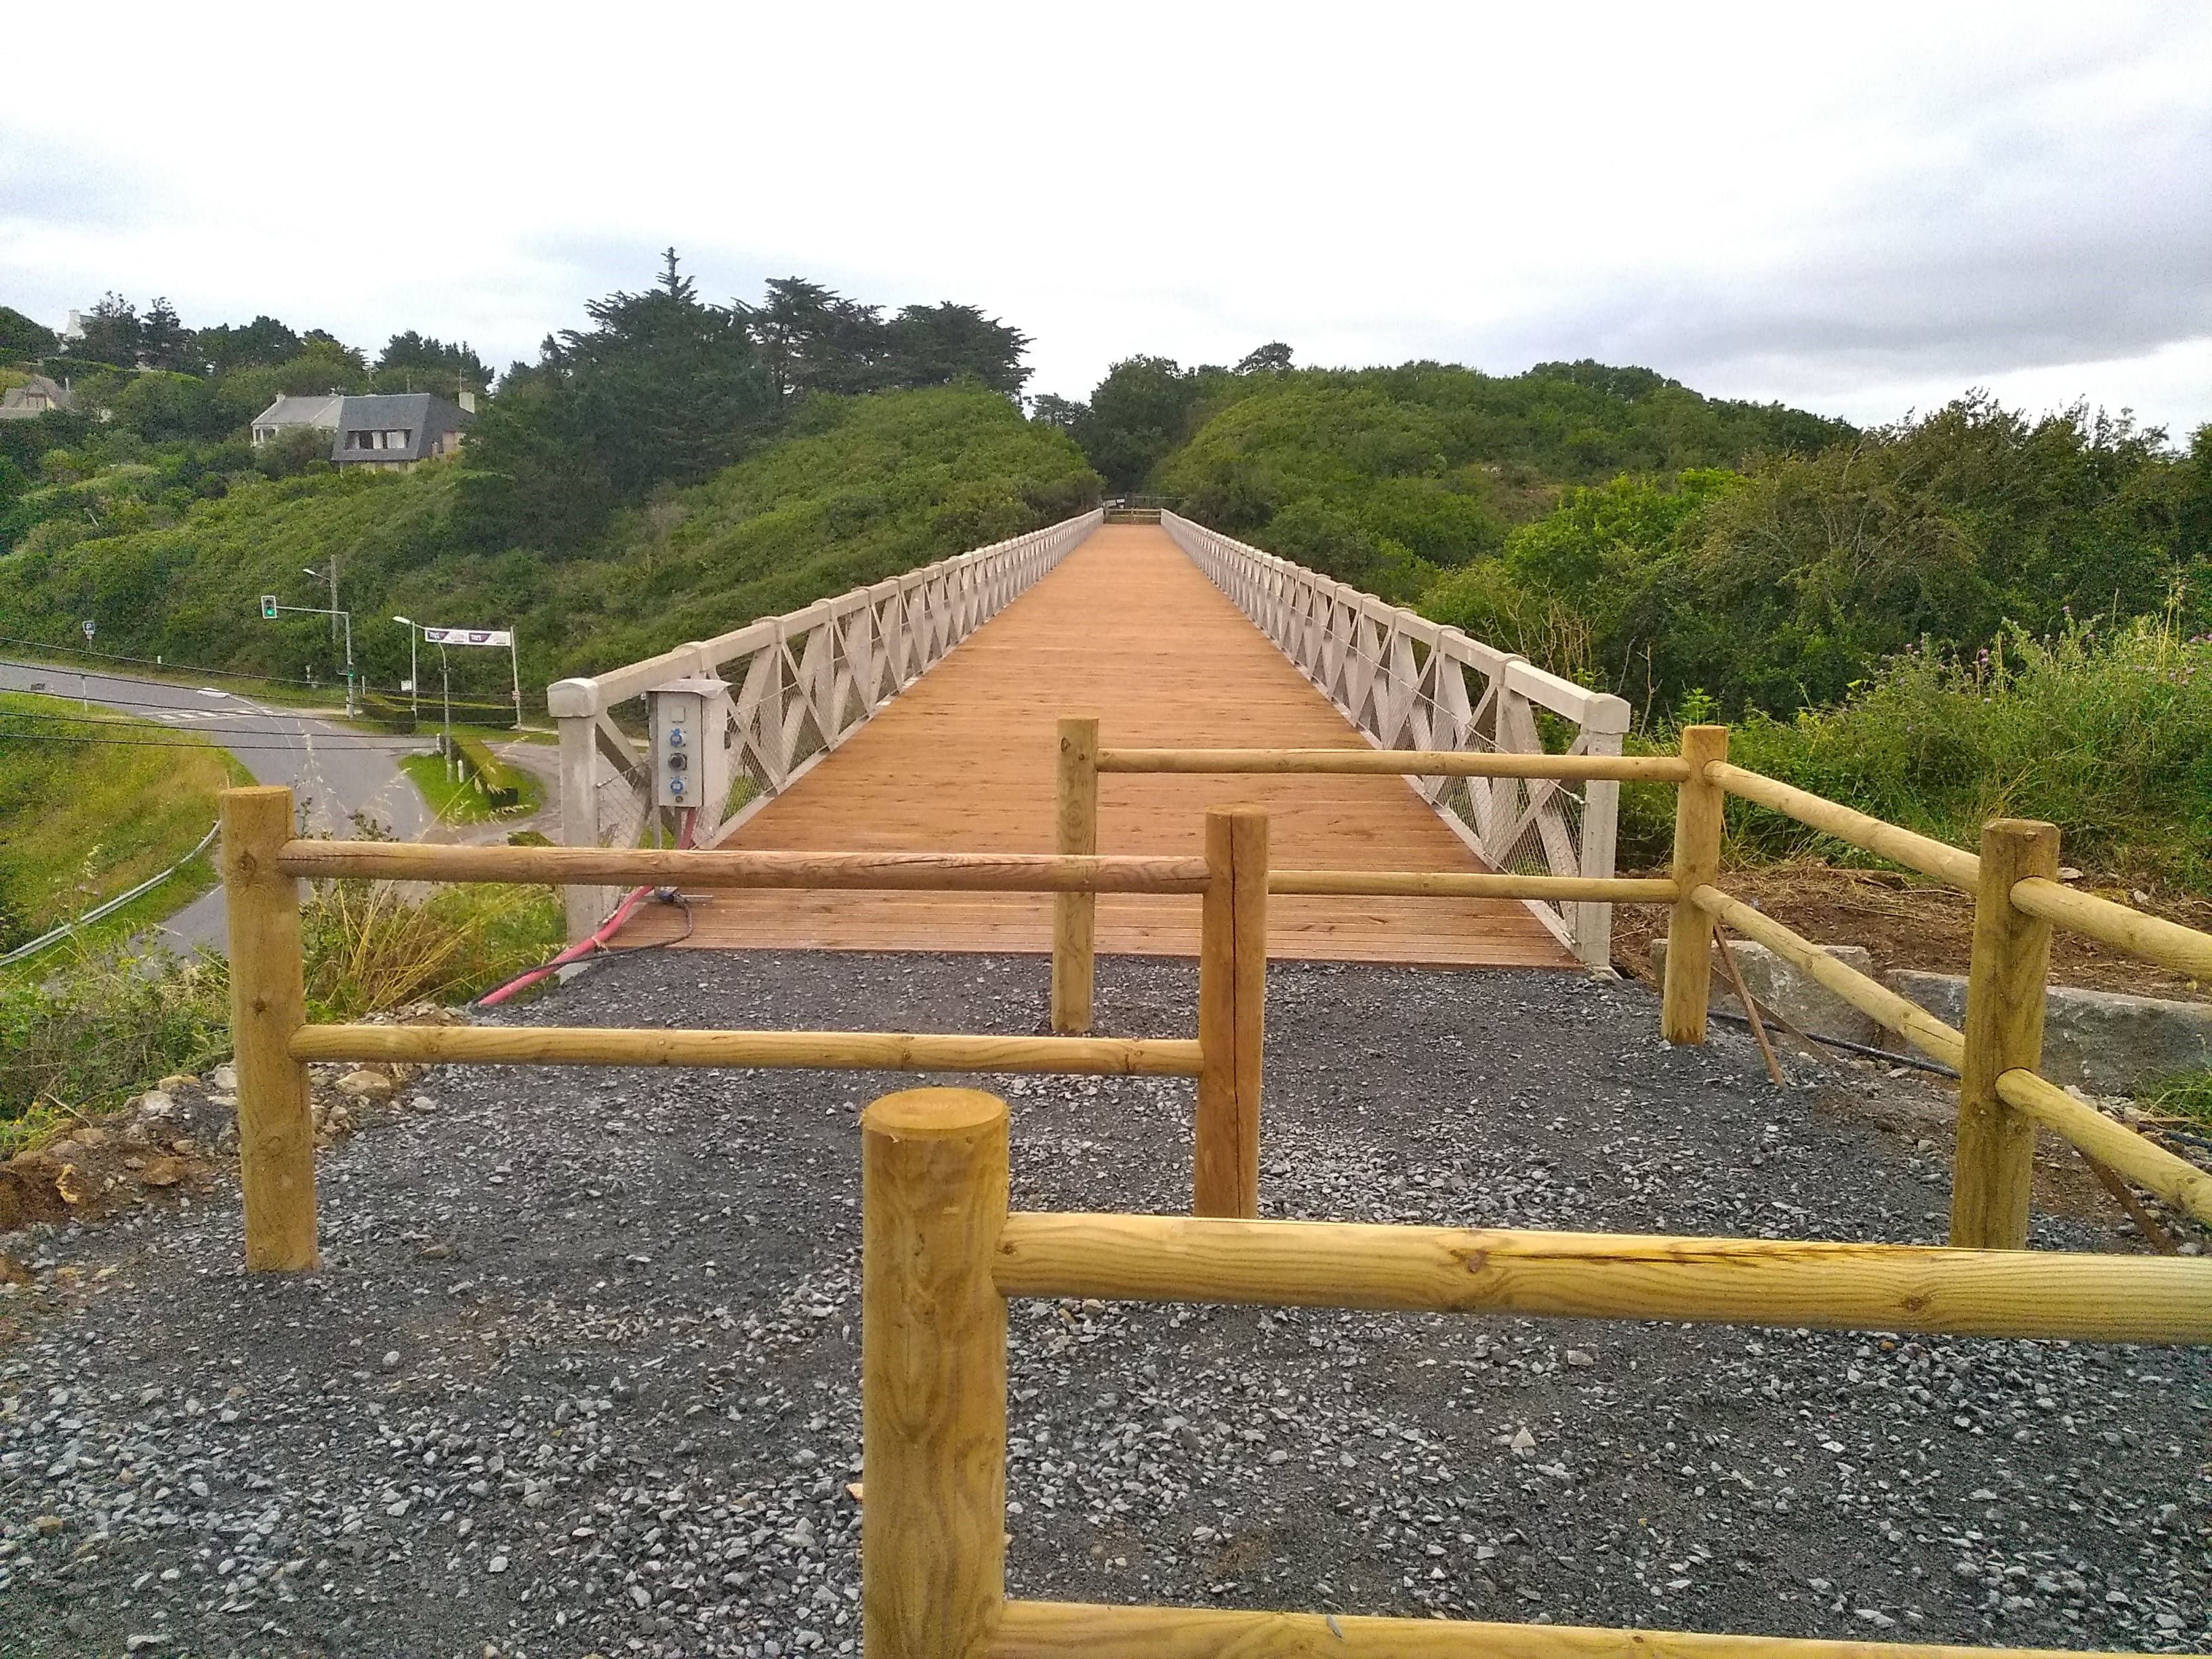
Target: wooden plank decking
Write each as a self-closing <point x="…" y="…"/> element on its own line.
<point x="963" y="761"/>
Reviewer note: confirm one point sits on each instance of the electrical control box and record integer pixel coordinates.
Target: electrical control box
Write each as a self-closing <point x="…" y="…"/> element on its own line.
<point x="691" y="727"/>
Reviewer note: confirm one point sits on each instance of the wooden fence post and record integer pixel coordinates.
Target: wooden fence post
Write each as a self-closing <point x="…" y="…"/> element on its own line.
<point x="1232" y="998"/>
<point x="267" y="1003"/>
<point x="1075" y="916"/>
<point x="932" y="1374"/>
<point x="1993" y="1164"/>
<point x="1697" y="864"/>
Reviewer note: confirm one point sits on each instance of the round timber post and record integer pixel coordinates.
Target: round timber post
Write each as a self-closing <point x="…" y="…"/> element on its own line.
<point x="1697" y="864"/>
<point x="1232" y="996"/>
<point x="932" y="1374"/>
<point x="1075" y="916"/>
<point x="1993" y="1165"/>
<point x="268" y="1004"/>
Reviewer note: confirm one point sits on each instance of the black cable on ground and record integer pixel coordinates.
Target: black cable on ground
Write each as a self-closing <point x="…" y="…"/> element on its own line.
<point x="666" y="896"/>
<point x="1849" y="1046"/>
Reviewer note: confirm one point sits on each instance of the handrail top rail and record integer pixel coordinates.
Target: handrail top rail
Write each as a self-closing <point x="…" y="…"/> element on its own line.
<point x="1411" y="762"/>
<point x="1952" y="865"/>
<point x="1598" y="711"/>
<point x="1011" y="872"/>
<point x="585" y="695"/>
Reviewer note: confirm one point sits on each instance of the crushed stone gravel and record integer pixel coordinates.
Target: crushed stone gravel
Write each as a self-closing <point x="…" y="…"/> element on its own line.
<point x="579" y="1376"/>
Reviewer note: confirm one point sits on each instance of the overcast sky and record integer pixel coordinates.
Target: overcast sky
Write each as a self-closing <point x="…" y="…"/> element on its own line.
<point x="1861" y="210"/>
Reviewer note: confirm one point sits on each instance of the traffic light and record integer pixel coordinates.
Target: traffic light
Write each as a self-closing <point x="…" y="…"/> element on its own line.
<point x="269" y="607"/>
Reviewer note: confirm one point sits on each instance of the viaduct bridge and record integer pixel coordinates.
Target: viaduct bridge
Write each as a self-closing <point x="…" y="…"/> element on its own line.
<point x="920" y="715"/>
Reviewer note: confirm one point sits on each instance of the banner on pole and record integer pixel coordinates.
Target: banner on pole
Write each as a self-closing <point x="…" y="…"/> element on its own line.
<point x="501" y="637"/>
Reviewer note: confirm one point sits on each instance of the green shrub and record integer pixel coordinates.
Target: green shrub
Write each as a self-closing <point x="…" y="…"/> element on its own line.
<point x="83" y="1032"/>
<point x="89" y="1028"/>
<point x="2106" y="734"/>
<point x="499" y="784"/>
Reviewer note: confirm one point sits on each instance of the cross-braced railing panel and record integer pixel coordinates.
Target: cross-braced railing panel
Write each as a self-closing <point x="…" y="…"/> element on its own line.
<point x="1407" y="682"/>
<point x="800" y="684"/>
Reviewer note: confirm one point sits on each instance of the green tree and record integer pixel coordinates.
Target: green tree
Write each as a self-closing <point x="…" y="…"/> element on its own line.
<point x="1136" y="414"/>
<point x="111" y="333"/>
<point x="812" y="339"/>
<point x="262" y="343"/>
<point x="21" y="338"/>
<point x="1273" y="358"/>
<point x="164" y="342"/>
<point x="936" y="345"/>
<point x="662" y="388"/>
<point x="420" y="362"/>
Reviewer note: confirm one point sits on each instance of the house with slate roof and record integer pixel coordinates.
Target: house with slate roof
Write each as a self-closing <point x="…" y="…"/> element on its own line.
<point x="398" y="431"/>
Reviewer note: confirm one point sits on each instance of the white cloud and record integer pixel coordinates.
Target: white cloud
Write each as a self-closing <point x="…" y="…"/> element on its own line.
<point x="1854" y="211"/>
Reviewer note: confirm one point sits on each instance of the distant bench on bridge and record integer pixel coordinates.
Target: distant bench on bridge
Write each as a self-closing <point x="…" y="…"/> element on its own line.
<point x="922" y="714"/>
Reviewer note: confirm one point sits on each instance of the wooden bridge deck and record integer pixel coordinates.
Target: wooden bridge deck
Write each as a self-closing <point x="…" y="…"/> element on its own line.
<point x="964" y="761"/>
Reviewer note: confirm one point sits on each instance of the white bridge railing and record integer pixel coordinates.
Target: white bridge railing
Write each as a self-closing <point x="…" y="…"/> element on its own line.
<point x="800" y="685"/>
<point x="1407" y="682"/>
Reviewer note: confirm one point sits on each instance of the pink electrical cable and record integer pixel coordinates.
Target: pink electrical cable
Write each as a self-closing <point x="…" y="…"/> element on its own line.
<point x="598" y="941"/>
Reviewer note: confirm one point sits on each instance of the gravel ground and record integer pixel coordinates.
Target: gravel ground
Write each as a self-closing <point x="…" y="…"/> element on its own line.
<point x="579" y="1376"/>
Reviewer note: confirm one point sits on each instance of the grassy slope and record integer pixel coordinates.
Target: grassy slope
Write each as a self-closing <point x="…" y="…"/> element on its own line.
<point x="861" y="489"/>
<point x="81" y="822"/>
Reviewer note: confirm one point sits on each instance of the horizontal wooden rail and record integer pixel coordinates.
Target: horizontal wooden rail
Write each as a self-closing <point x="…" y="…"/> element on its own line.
<point x="2151" y="938"/>
<point x="1883" y="1005"/>
<point x="890" y="1051"/>
<point x="986" y="873"/>
<point x="1066" y="1630"/>
<point x="2115" y="1145"/>
<point x="1725" y="1281"/>
<point x="1947" y="863"/>
<point x="1422" y="884"/>
<point x="1410" y="762"/>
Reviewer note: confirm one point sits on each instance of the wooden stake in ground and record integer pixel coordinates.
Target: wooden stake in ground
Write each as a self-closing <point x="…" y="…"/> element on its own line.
<point x="1075" y="916"/>
<point x="932" y="1374"/>
<point x="1750" y="1007"/>
<point x="268" y="1004"/>
<point x="1994" y="1165"/>
<point x="1697" y="864"/>
<point x="2146" y="1225"/>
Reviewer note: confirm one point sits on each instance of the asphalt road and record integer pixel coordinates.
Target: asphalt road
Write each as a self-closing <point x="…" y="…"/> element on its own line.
<point x="335" y="772"/>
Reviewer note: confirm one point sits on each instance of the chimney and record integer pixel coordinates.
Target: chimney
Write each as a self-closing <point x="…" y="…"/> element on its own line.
<point x="467" y="400"/>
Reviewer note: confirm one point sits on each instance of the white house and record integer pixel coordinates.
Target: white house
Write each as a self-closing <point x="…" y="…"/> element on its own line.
<point x="288" y="414"/>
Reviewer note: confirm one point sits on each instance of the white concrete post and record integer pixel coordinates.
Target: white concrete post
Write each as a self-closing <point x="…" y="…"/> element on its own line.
<point x="1602" y="728"/>
<point x="575" y="706"/>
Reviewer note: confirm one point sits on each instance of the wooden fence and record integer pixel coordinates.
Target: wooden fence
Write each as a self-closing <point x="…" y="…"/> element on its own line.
<point x="1406" y="683"/>
<point x="2018" y="901"/>
<point x="800" y="683"/>
<point x="264" y="863"/>
<point x="942" y="1253"/>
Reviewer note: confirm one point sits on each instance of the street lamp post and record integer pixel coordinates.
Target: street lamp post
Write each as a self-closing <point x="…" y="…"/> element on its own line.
<point x="414" y="675"/>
